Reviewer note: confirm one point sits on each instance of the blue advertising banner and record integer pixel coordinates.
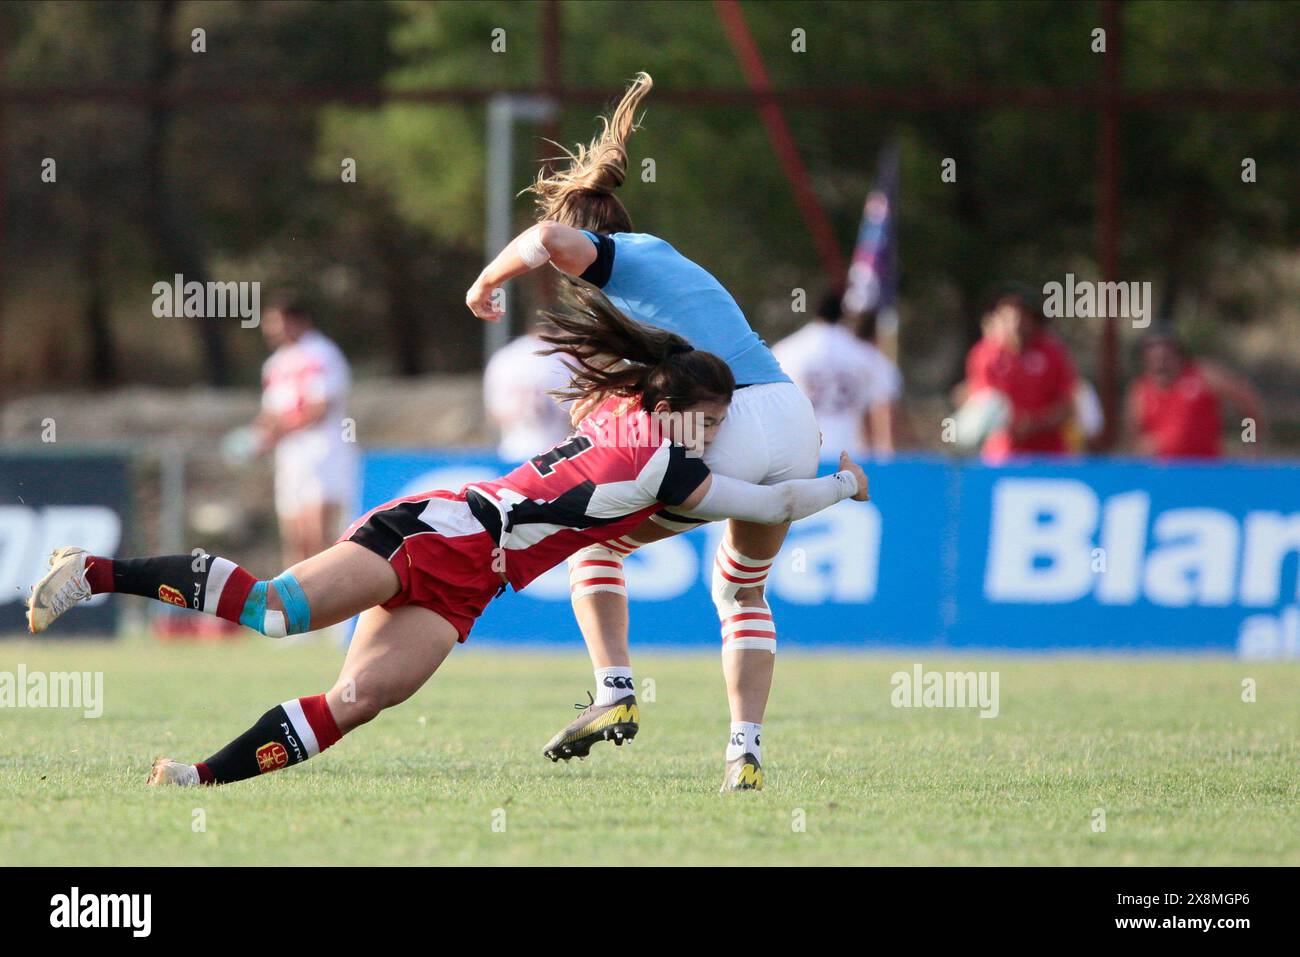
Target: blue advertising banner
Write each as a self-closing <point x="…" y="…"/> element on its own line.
<point x="1072" y="556"/>
<point x="49" y="499"/>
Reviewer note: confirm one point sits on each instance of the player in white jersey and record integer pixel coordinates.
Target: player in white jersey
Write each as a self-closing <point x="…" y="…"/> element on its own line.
<point x="852" y="385"/>
<point x="517" y="386"/>
<point x="305" y="384"/>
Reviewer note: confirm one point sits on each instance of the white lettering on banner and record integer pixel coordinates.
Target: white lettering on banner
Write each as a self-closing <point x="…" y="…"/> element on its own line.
<point x="655" y="574"/>
<point x="842" y="550"/>
<point x="28" y="536"/>
<point x="1124" y="530"/>
<point x="1196" y="561"/>
<point x="1268" y="636"/>
<point x="1020" y="538"/>
<point x="1042" y="536"/>
<point x="1270" y="538"/>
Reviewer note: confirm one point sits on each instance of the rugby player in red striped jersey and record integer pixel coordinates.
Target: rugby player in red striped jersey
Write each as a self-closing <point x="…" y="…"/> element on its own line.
<point x="420" y="570"/>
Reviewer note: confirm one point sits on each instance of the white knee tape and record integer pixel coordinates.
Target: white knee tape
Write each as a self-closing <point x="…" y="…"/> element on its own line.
<point x="744" y="627"/>
<point x="596" y="569"/>
<point x="748" y="628"/>
<point x="732" y="571"/>
<point x="273" y="624"/>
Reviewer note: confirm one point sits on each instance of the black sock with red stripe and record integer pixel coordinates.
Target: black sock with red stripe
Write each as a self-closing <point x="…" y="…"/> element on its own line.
<point x="289" y="733"/>
<point x="202" y="582"/>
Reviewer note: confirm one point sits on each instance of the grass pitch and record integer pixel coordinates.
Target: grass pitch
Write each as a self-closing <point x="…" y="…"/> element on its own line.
<point x="1183" y="769"/>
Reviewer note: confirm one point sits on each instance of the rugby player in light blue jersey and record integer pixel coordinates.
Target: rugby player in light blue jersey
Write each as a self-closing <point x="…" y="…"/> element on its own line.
<point x="769" y="435"/>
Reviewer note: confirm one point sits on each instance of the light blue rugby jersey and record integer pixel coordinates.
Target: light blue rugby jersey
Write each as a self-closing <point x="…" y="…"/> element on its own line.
<point x="652" y="282"/>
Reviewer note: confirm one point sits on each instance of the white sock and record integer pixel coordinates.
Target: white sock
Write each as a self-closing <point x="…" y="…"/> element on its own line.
<point x="613" y="684"/>
<point x="746" y="738"/>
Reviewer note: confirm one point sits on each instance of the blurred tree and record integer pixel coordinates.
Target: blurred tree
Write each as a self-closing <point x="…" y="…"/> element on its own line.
<point x="214" y="186"/>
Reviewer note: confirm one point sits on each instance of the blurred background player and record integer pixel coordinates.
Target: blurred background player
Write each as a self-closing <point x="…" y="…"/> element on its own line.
<point x="1023" y="375"/>
<point x="852" y="385"/>
<point x="1175" y="407"/>
<point x="305" y="384"/>
<point x="1086" y="429"/>
<point x="516" y="394"/>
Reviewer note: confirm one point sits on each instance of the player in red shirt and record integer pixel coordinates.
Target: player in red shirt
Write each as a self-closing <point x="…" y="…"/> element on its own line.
<point x="420" y="570"/>
<point x="1019" y="358"/>
<point x="1175" y="408"/>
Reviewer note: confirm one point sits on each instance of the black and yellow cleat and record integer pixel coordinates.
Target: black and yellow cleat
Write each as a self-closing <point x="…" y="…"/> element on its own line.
<point x="615" y="722"/>
<point x="743" y="774"/>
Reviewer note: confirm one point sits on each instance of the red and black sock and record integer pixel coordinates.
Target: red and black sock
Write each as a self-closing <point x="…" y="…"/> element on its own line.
<point x="202" y="582"/>
<point x="289" y="733"/>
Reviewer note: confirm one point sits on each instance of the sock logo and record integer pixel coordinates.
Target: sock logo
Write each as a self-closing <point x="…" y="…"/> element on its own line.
<point x="271" y="757"/>
<point x="614" y="681"/>
<point x="172" y="596"/>
<point x="293" y="742"/>
<point x="738" y="738"/>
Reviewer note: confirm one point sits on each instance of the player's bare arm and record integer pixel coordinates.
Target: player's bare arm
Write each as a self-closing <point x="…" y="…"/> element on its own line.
<point x="566" y="248"/>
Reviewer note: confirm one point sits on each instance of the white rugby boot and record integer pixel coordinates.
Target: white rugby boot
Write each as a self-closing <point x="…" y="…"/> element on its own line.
<point x="63" y="586"/>
<point x="166" y="771"/>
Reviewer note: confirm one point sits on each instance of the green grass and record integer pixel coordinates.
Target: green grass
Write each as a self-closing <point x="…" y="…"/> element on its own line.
<point x="1186" y="772"/>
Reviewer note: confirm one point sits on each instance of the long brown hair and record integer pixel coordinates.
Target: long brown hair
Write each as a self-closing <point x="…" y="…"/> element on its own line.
<point x="582" y="196"/>
<point x="607" y="352"/>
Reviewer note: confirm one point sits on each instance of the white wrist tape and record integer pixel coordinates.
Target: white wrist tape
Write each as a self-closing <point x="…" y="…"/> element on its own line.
<point x="848" y="482"/>
<point x="530" y="249"/>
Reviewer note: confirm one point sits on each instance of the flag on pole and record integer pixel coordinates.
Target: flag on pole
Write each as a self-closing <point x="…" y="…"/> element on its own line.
<point x="873" y="274"/>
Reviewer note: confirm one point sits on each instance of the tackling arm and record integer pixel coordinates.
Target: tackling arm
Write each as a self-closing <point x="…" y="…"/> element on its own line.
<point x="720" y="497"/>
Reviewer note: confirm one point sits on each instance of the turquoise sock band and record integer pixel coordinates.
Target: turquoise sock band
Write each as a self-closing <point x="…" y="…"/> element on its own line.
<point x="296" y="609"/>
<point x="254" y="613"/>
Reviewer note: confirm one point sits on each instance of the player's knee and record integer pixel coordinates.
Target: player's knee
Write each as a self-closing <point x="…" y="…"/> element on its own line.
<point x="361" y="698"/>
<point x="735" y="575"/>
<point x="740" y="596"/>
<point x="277" y="608"/>
<point x="597" y="569"/>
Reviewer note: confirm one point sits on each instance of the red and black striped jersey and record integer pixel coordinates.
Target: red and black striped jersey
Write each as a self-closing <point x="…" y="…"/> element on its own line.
<point x="613" y="472"/>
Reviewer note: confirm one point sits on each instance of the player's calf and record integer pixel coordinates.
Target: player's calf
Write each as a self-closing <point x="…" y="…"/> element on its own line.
<point x="277" y="607"/>
<point x="747" y="630"/>
<point x="596" y="575"/>
<point x="288" y="734"/>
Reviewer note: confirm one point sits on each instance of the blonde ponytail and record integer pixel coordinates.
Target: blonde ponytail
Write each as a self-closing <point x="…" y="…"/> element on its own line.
<point x="582" y="195"/>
